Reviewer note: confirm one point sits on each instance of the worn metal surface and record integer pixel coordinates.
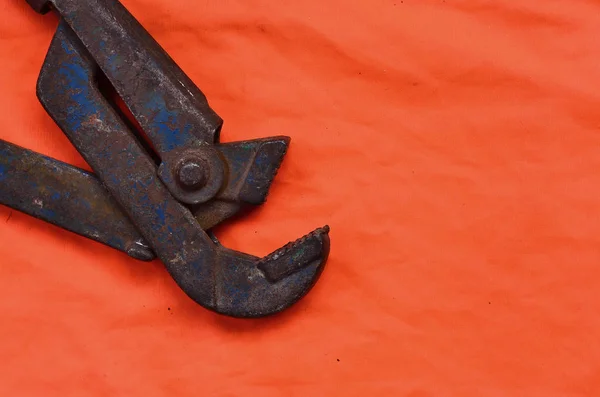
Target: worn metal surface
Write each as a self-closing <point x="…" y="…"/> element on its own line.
<point x="197" y="183"/>
<point x="76" y="200"/>
<point x="171" y="110"/>
<point x="68" y="197"/>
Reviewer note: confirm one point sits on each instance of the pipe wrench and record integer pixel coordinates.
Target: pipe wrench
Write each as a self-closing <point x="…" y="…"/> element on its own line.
<point x="161" y="177"/>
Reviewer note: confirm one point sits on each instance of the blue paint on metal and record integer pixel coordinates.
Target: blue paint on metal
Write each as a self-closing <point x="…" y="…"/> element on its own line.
<point x="131" y="158"/>
<point x="104" y="153"/>
<point x="84" y="203"/>
<point x="262" y="160"/>
<point x="3" y="172"/>
<point x="161" y="213"/>
<point x="66" y="45"/>
<point x="177" y="233"/>
<point x="113" y="178"/>
<point x="6" y="154"/>
<point x="113" y="62"/>
<point x="116" y="242"/>
<point x="166" y="132"/>
<point x="77" y="82"/>
<point x="48" y="214"/>
<point x="238" y="293"/>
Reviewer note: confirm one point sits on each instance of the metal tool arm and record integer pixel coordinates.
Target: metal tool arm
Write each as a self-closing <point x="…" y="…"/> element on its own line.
<point x="68" y="197"/>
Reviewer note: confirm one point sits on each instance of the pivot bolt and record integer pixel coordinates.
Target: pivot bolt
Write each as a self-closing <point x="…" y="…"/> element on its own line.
<point x="192" y="175"/>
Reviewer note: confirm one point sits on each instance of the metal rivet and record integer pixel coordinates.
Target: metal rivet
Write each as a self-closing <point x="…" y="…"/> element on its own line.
<point x="192" y="175"/>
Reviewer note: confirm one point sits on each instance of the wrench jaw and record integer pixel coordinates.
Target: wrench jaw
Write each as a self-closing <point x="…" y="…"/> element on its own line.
<point x="245" y="286"/>
<point x="251" y="287"/>
<point x="250" y="167"/>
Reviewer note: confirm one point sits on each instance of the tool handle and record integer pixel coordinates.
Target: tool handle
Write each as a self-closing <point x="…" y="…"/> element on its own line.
<point x="68" y="91"/>
<point x="171" y="110"/>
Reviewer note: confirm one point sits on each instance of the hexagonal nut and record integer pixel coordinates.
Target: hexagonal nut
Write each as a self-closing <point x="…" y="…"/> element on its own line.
<point x="41" y="6"/>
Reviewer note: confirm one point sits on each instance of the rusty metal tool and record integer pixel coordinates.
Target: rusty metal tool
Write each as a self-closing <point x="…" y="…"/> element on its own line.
<point x="161" y="179"/>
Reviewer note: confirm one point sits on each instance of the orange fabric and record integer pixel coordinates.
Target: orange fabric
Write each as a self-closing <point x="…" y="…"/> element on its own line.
<point x="454" y="148"/>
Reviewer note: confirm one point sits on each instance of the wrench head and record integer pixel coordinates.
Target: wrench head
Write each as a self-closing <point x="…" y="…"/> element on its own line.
<point x="249" y="287"/>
